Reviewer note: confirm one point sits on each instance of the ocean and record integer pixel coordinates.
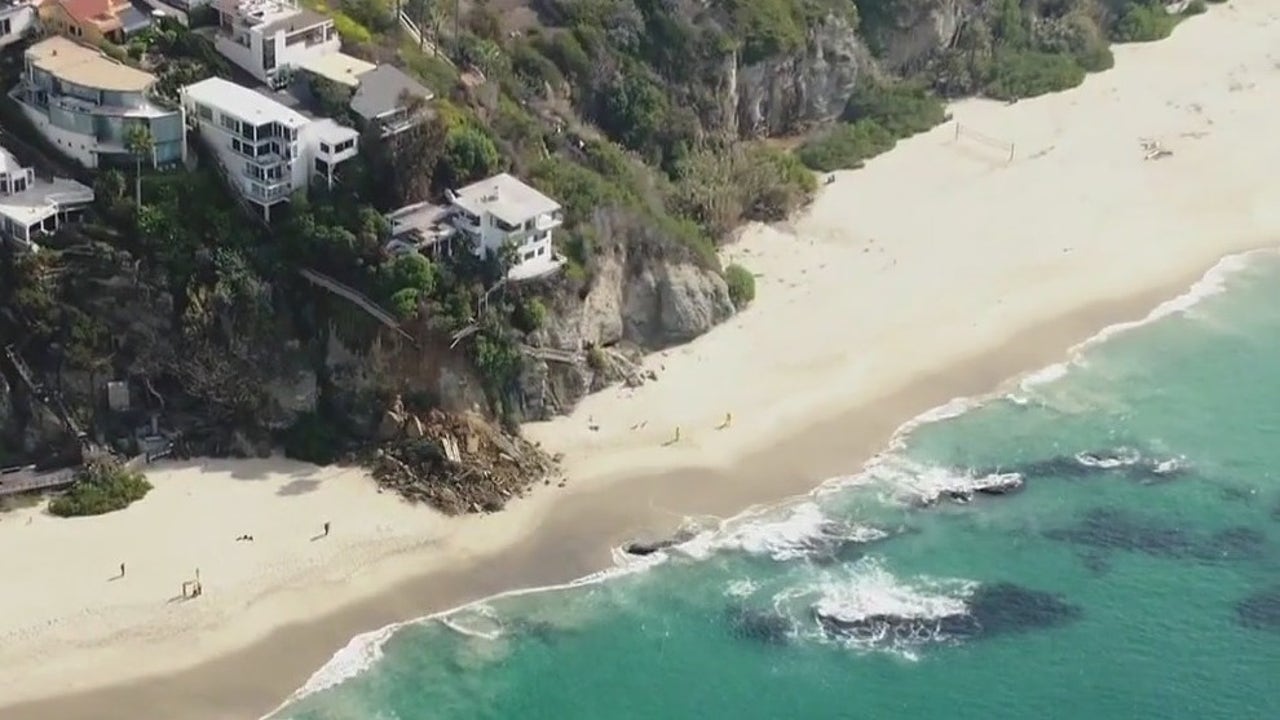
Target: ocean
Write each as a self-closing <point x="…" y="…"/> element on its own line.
<point x="1101" y="542"/>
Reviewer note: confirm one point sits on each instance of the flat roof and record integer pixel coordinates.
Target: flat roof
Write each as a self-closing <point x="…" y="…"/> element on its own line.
<point x="330" y="131"/>
<point x="242" y="102"/>
<point x="338" y="67"/>
<point x="40" y="199"/>
<point x="505" y="197"/>
<point x="86" y="66"/>
<point x="302" y="19"/>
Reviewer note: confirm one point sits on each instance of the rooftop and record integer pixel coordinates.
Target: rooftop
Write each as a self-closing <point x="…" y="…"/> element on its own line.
<point x="86" y="66"/>
<point x="298" y="19"/>
<point x="338" y="67"/>
<point x="41" y="199"/>
<point x="506" y="198"/>
<point x="326" y="130"/>
<point x="102" y="12"/>
<point x="380" y="89"/>
<point x="248" y="105"/>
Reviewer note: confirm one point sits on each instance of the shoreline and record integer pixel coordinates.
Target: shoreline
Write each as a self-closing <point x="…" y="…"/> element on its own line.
<point x="945" y="275"/>
<point x="557" y="560"/>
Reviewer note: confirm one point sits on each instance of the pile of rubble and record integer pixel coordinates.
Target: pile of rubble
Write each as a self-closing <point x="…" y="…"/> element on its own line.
<point x="457" y="463"/>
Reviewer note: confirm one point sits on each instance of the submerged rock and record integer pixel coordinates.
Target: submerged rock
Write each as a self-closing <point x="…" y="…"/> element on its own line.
<point x="1122" y="461"/>
<point x="1107" y="529"/>
<point x="767" y="627"/>
<point x="642" y="548"/>
<point x="993" y="609"/>
<point x="1261" y="610"/>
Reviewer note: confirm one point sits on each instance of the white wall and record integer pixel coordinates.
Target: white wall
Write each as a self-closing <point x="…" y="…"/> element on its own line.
<point x="22" y="20"/>
<point x="79" y="147"/>
<point x="248" y="58"/>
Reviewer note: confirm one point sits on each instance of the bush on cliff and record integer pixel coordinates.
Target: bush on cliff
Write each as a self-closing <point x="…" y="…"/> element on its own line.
<point x="1143" y="21"/>
<point x="846" y="146"/>
<point x="742" y="285"/>
<point x="313" y="438"/>
<point x="101" y="486"/>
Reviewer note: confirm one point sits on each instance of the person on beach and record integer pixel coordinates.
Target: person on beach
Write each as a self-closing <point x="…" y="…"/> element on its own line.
<point x="121" y="569"/>
<point x="326" y="528"/>
<point x="728" y="420"/>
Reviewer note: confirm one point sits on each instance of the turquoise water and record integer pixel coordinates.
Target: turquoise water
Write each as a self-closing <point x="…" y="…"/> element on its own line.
<point x="1135" y="575"/>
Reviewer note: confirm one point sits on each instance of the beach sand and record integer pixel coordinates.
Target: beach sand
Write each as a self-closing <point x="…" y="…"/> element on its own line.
<point x="939" y="270"/>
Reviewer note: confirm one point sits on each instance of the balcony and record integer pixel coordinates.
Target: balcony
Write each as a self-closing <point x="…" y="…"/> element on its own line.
<point x="268" y="193"/>
<point x="548" y="221"/>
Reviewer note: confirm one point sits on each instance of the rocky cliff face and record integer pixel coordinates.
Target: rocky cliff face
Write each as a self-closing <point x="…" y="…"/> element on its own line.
<point x="633" y="306"/>
<point x="907" y="33"/>
<point x="788" y="93"/>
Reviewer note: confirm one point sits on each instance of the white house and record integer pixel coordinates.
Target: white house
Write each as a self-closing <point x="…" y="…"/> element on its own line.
<point x="31" y="206"/>
<point x="269" y="38"/>
<point x="270" y="151"/>
<point x="18" y="18"/>
<point x="85" y="104"/>
<point x="502" y="211"/>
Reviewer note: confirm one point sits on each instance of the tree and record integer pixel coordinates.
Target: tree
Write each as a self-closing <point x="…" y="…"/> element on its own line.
<point x="138" y="140"/>
<point x="469" y="155"/>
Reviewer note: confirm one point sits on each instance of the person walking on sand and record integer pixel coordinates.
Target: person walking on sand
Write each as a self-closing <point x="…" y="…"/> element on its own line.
<point x="728" y="420"/>
<point x="326" y="528"/>
<point x="121" y="569"/>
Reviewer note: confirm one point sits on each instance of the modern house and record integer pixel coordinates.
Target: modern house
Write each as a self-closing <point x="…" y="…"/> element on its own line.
<point x="270" y="38"/>
<point x="18" y="18"/>
<point x="93" y="21"/>
<point x="502" y="212"/>
<point x="421" y="228"/>
<point x="269" y="150"/>
<point x="385" y="97"/>
<point x="86" y="104"/>
<point x="31" y="206"/>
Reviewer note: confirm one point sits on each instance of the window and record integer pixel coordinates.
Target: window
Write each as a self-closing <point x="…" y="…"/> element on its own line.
<point x="204" y="111"/>
<point x="229" y="122"/>
<point x="528" y="255"/>
<point x="5" y="27"/>
<point x="235" y="145"/>
<point x="19" y="184"/>
<point x="324" y="148"/>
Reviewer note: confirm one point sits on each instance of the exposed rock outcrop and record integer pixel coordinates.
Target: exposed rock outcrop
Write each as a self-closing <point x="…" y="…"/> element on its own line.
<point x="791" y="92"/>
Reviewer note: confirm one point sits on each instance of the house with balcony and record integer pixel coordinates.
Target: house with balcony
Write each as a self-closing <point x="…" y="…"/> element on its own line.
<point x="31" y="207"/>
<point x="86" y="104"/>
<point x="269" y="150"/>
<point x="93" y="21"/>
<point x="502" y="212"/>
<point x="388" y="99"/>
<point x="269" y="39"/>
<point x="18" y="19"/>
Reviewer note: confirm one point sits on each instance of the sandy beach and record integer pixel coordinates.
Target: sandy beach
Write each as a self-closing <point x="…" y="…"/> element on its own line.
<point x="940" y="270"/>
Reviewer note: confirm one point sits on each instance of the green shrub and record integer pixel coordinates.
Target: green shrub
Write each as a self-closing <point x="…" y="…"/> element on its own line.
<point x="405" y="302"/>
<point x="1195" y="7"/>
<point x="469" y="155"/>
<point x="566" y="52"/>
<point x="1143" y="22"/>
<point x="352" y="32"/>
<point x="530" y="315"/>
<point x="101" y="486"/>
<point x="595" y="358"/>
<point x="903" y="109"/>
<point x="313" y="438"/>
<point x="742" y="285"/>
<point x="846" y="146"/>
<point x="1029" y="73"/>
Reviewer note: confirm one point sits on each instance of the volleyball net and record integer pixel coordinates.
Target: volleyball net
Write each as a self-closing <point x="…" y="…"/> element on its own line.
<point x="1004" y="148"/>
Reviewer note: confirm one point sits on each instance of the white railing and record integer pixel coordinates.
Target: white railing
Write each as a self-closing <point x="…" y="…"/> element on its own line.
<point x="71" y="197"/>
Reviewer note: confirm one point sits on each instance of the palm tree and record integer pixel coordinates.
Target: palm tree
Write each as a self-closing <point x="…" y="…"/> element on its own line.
<point x="138" y="140"/>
